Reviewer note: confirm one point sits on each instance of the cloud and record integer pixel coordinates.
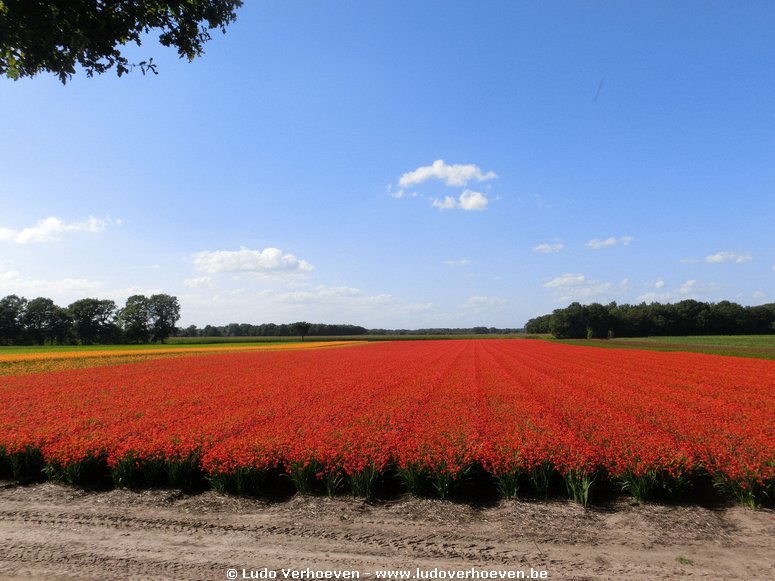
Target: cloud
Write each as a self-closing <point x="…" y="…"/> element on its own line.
<point x="13" y="282"/>
<point x="725" y="256"/>
<point x="469" y="200"/>
<point x="576" y="287"/>
<point x="542" y="203"/>
<point x="659" y="284"/>
<point x="446" y="204"/>
<point x="597" y="244"/>
<point x="484" y="302"/>
<point x="456" y="175"/>
<point x="566" y="280"/>
<point x="49" y="230"/>
<point x="759" y="294"/>
<point x="121" y="294"/>
<point x="270" y="262"/>
<point x="452" y="175"/>
<point x="325" y="293"/>
<point x="691" y="289"/>
<point x="312" y="303"/>
<point x="548" y="248"/>
<point x="200" y="282"/>
<point x="461" y="262"/>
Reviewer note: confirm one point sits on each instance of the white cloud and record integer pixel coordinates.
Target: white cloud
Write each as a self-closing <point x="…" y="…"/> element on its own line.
<point x="452" y="175"/>
<point x="121" y="294"/>
<point x="548" y="248"/>
<point x="311" y="303"/>
<point x="270" y="262"/>
<point x="597" y="244"/>
<point x="461" y="262"/>
<point x="49" y="230"/>
<point x="13" y="282"/>
<point x="566" y="280"/>
<point x="446" y="204"/>
<point x="200" y="282"/>
<point x="576" y="287"/>
<point x="659" y="284"/>
<point x="469" y="200"/>
<point x="691" y="289"/>
<point x="759" y="294"/>
<point x="726" y="256"/>
<point x="688" y="261"/>
<point x="325" y="293"/>
<point x="482" y="302"/>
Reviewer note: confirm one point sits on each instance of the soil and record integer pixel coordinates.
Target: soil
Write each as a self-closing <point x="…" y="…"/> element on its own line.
<point x="49" y="531"/>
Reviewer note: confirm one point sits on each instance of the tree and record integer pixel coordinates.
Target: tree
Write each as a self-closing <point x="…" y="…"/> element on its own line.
<point x="40" y="320"/>
<point x="61" y="326"/>
<point x="597" y="320"/>
<point x="55" y="35"/>
<point x="538" y="325"/>
<point x="164" y="313"/>
<point x="569" y="323"/>
<point x="135" y="319"/>
<point x="94" y="320"/>
<point x="211" y="331"/>
<point x="12" y="319"/>
<point x="300" y="328"/>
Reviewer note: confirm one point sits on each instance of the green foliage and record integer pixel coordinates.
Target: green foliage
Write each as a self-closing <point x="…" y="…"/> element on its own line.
<point x="416" y="478"/>
<point x="135" y="473"/>
<point x="88" y="321"/>
<point x="333" y="481"/>
<point x="640" y="486"/>
<point x="135" y="319"/>
<point x="579" y="484"/>
<point x="94" y="320"/>
<point x="12" y="319"/>
<point x="363" y="483"/>
<point x="689" y="317"/>
<point x="305" y="476"/>
<point x="27" y="465"/>
<point x="91" y="471"/>
<point x="185" y="473"/>
<point x="747" y="493"/>
<point x="56" y="35"/>
<point x="540" y="477"/>
<point x="163" y="313"/>
<point x="241" y="481"/>
<point x="301" y="328"/>
<point x="509" y="483"/>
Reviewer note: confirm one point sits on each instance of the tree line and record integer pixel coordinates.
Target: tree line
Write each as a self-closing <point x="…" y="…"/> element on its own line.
<point x="271" y="330"/>
<point x="321" y="330"/>
<point x="87" y="321"/>
<point x="689" y="317"/>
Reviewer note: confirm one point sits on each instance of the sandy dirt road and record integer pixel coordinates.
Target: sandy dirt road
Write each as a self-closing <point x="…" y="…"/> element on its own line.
<point x="52" y="532"/>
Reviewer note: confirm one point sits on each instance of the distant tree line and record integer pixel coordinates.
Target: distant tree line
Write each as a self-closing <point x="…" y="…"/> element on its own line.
<point x="87" y="321"/>
<point x="689" y="317"/>
<point x="445" y="331"/>
<point x="269" y="330"/>
<point x="321" y="330"/>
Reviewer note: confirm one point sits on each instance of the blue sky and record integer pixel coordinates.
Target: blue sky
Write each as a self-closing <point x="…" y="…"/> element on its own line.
<point x="407" y="164"/>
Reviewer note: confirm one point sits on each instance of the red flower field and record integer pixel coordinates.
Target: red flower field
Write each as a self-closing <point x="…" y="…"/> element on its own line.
<point x="530" y="417"/>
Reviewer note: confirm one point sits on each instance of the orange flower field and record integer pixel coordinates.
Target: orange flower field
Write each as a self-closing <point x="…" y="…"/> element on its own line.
<point x="23" y="363"/>
<point x="441" y="418"/>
